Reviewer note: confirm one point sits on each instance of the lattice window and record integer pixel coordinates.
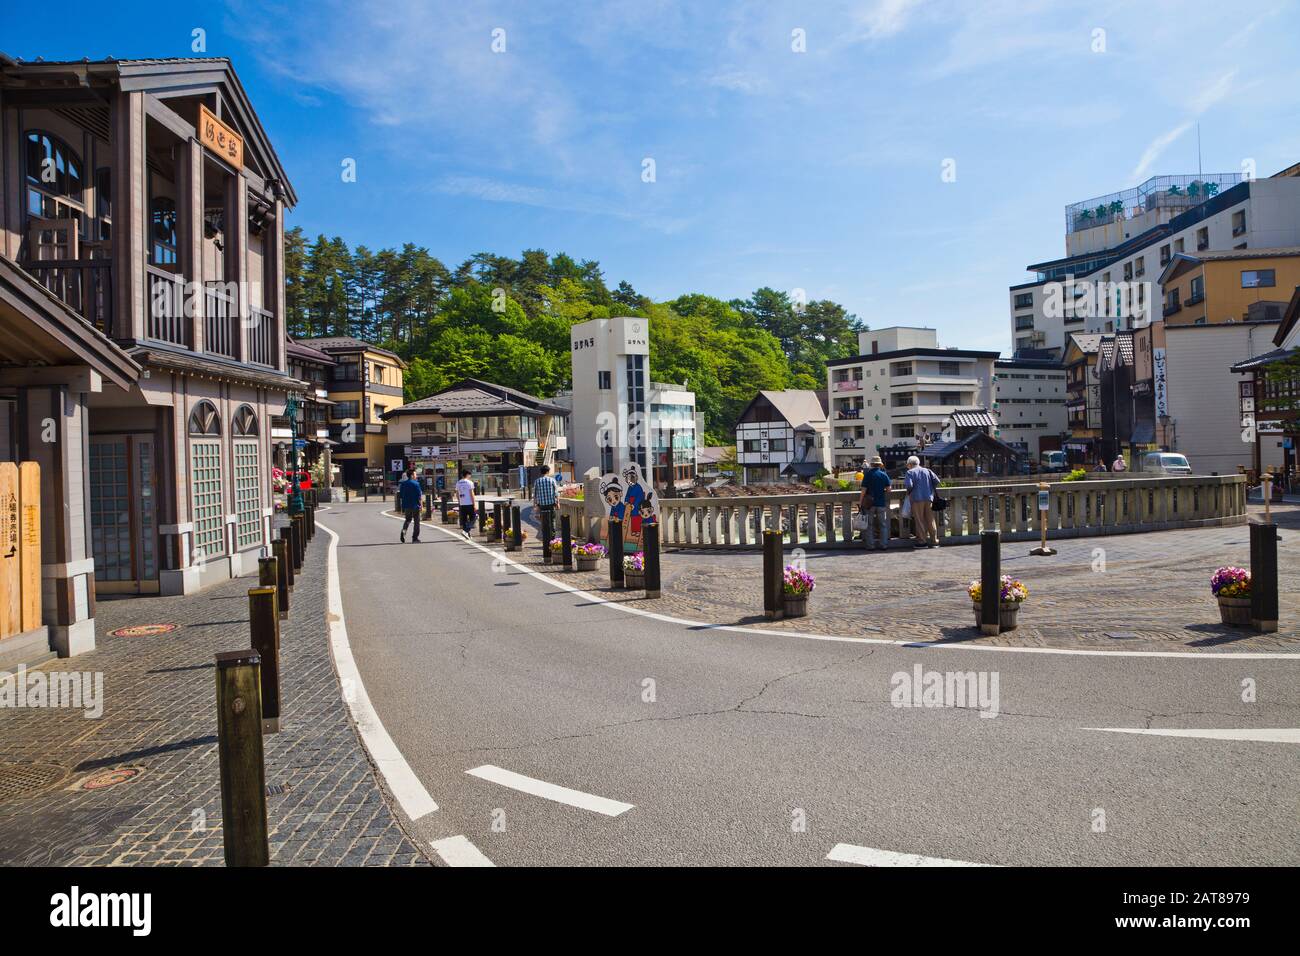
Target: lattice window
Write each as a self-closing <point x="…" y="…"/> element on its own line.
<point x="204" y="420"/>
<point x="248" y="495"/>
<point x="205" y="489"/>
<point x="245" y="421"/>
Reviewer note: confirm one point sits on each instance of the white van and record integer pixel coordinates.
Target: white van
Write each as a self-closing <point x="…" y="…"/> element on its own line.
<point x="1165" y="463"/>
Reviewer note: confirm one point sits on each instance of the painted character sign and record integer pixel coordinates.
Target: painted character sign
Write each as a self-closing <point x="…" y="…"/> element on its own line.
<point x="630" y="498"/>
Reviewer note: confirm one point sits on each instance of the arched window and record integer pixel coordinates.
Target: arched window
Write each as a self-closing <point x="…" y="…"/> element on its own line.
<point x="162" y="231"/>
<point x="53" y="177"/>
<point x="244" y="424"/>
<point x="204" y="420"/>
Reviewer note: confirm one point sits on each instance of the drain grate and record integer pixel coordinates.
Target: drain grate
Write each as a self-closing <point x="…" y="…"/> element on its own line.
<point x="24" y="779"/>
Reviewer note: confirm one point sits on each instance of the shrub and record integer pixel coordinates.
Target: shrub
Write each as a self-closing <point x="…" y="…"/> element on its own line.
<point x="1078" y="474"/>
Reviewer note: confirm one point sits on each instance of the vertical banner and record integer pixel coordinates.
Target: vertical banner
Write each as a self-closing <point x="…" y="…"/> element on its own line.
<point x="29" y="543"/>
<point x="629" y="497"/>
<point x="11" y="600"/>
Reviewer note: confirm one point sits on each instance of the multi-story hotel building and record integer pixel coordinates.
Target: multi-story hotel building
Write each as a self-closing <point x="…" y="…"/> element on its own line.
<point x="1029" y="404"/>
<point x="365" y="383"/>
<point x="901" y="388"/>
<point x="1117" y="245"/>
<point x="142" y="329"/>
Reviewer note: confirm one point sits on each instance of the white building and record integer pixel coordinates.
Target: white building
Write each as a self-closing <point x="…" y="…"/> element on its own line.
<point x="618" y="414"/>
<point x="902" y="387"/>
<point x="1029" y="403"/>
<point x="783" y="435"/>
<point x="1108" y="279"/>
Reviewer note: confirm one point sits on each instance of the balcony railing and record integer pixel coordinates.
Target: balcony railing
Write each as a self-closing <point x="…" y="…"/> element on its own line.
<point x="220" y="320"/>
<point x="84" y="285"/>
<point x="261" y="337"/>
<point x="168" y="321"/>
<point x="849" y="413"/>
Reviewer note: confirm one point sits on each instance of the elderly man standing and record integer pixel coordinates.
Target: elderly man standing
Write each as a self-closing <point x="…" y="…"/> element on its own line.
<point x="921" y="484"/>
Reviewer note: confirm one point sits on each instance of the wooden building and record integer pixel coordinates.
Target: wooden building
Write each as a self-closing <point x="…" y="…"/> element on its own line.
<point x="143" y="199"/>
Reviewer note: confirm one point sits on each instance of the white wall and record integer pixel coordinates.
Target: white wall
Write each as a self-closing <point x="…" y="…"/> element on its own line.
<point x="1204" y="398"/>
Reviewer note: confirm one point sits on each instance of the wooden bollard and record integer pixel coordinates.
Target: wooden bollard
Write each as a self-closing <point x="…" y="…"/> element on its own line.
<point x="497" y="520"/>
<point x="286" y="538"/>
<point x="448" y="516"/>
<point x="240" y="754"/>
<point x="547" y="532"/>
<point x="773" y="573"/>
<point x="283" y="568"/>
<point x="299" y="541"/>
<point x="516" y="527"/>
<point x="566" y="542"/>
<point x="264" y="628"/>
<point x="615" y="553"/>
<point x="990" y="582"/>
<point x="650" y="548"/>
<point x="507" y="514"/>
<point x="482" y="516"/>
<point x="1263" y="578"/>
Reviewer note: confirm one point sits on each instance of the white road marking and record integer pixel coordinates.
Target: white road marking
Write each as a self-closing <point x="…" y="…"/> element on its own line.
<point x="550" y="791"/>
<point x="1228" y="656"/>
<point x="401" y="779"/>
<point x="866" y="856"/>
<point x="458" y="851"/>
<point x="1268" y="735"/>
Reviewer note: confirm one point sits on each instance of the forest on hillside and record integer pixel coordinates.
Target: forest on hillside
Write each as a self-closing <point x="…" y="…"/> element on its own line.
<point x="507" y="320"/>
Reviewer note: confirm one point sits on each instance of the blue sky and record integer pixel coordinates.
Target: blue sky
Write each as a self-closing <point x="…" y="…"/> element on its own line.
<point x="817" y="170"/>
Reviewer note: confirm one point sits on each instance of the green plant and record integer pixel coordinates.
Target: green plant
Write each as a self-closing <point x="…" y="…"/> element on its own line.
<point x="1078" y="474"/>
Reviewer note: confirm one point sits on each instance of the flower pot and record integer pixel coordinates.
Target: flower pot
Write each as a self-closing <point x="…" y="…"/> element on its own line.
<point x="796" y="605"/>
<point x="1235" y="611"/>
<point x="634" y="580"/>
<point x="585" y="562"/>
<point x="1006" y="618"/>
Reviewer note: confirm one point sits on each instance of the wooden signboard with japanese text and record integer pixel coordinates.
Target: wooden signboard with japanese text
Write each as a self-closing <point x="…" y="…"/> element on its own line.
<point x="20" y="548"/>
<point x="220" y="138"/>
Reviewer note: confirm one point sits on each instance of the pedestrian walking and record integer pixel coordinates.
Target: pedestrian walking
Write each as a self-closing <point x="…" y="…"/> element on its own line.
<point x="545" y="494"/>
<point x="409" y="496"/>
<point x="465" y="498"/>
<point x="874" y="503"/>
<point x="921" y="485"/>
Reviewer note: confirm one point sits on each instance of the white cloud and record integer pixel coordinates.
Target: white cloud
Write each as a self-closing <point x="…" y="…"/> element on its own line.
<point x="885" y="18"/>
<point x="1156" y="147"/>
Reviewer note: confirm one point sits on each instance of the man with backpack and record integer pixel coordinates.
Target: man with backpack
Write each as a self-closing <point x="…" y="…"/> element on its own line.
<point x="874" y="503"/>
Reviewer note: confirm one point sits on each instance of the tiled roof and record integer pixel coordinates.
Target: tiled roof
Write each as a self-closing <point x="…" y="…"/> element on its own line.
<point x="473" y="397"/>
<point x="345" y="343"/>
<point x="306" y="351"/>
<point x="973" y="418"/>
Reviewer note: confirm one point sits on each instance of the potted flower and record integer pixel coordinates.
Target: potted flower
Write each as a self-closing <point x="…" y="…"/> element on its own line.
<point x="588" y="555"/>
<point x="1013" y="594"/>
<point x="511" y="544"/>
<point x="553" y="551"/>
<point x="634" y="570"/>
<point x="797" y="585"/>
<point x="490" y="529"/>
<point x="1232" y="587"/>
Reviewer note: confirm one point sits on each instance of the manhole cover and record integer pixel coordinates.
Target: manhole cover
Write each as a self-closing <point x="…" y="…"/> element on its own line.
<point x="143" y="630"/>
<point x="103" y="779"/>
<point x="24" y="779"/>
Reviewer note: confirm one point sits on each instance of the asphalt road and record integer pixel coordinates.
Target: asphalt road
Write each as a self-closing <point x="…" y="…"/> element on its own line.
<point x="750" y="749"/>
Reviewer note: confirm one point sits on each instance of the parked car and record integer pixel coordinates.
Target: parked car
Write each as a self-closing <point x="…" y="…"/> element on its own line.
<point x="1053" y="461"/>
<point x="1165" y="463"/>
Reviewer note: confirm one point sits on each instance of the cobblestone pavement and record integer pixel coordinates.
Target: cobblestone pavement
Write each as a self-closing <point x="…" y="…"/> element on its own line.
<point x="1147" y="592"/>
<point x="325" y="804"/>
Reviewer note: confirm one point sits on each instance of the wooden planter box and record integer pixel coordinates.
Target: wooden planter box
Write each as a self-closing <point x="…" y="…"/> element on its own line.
<point x="510" y="543"/>
<point x="634" y="580"/>
<point x="586" y="562"/>
<point x="1007" y="618"/>
<point x="1235" y="612"/>
<point x="796" y="606"/>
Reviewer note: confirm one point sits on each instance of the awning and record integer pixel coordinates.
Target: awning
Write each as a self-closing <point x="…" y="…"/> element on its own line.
<point x="1144" y="433"/>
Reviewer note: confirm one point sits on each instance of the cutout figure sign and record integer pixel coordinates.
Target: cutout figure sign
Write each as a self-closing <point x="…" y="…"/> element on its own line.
<point x="629" y="497"/>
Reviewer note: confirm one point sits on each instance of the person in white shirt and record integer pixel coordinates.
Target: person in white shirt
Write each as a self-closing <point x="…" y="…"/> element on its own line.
<point x="465" y="497"/>
<point x="1119" y="464"/>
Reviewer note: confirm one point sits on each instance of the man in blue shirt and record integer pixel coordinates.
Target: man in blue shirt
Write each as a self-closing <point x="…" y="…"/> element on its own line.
<point x="921" y="485"/>
<point x="408" y="496"/>
<point x="874" y="503"/>
<point x="545" y="493"/>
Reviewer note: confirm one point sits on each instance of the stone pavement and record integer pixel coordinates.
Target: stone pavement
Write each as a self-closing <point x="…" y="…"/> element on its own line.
<point x="325" y="804"/>
<point x="1147" y="592"/>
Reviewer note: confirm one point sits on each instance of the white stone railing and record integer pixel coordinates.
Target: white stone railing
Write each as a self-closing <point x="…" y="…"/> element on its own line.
<point x="1077" y="509"/>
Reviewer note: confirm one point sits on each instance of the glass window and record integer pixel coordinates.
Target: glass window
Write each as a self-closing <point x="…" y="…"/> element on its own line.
<point x="1258" y="278"/>
<point x="206" y="507"/>
<point x="248" y="494"/>
<point x="53" y="177"/>
<point x="162" y="226"/>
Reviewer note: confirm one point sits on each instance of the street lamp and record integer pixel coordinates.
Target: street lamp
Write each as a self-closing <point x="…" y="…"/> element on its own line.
<point x="291" y="410"/>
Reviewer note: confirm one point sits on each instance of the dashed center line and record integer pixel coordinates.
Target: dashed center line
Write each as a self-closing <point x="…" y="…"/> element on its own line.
<point x="867" y="856"/>
<point x="459" y="851"/>
<point x="550" y="791"/>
